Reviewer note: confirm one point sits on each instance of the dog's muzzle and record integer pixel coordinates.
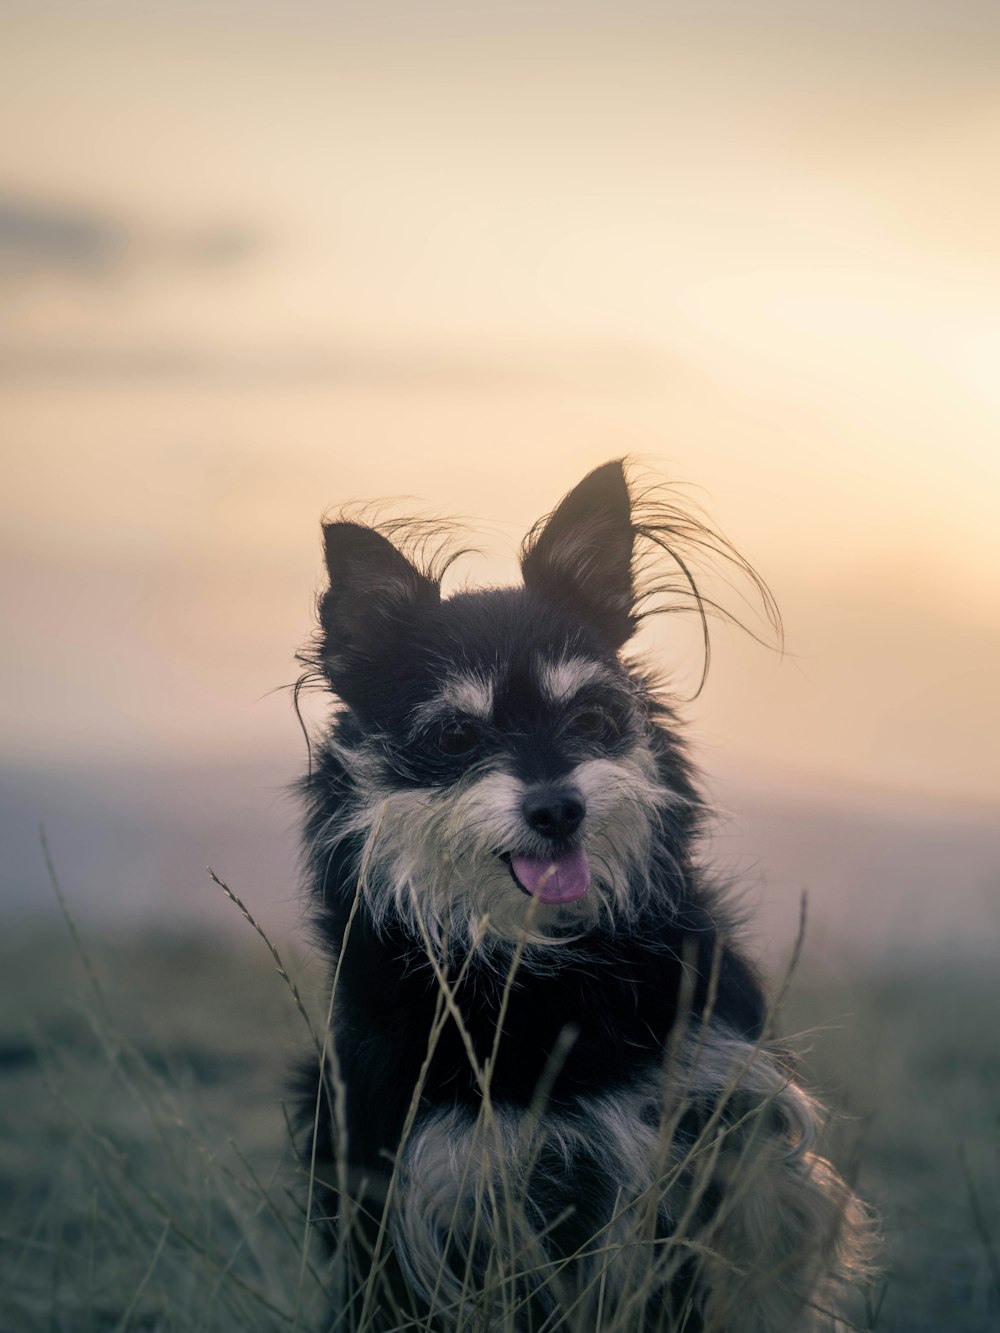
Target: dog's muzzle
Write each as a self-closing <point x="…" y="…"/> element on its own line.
<point x="554" y="813"/>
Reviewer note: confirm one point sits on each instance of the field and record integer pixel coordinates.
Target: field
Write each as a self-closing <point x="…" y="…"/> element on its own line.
<point x="147" y="1180"/>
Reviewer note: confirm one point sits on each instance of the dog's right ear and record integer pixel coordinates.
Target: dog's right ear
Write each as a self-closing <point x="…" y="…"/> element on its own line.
<point x="373" y="588"/>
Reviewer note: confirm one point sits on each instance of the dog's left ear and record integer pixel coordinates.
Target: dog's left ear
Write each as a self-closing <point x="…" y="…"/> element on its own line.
<point x="581" y="556"/>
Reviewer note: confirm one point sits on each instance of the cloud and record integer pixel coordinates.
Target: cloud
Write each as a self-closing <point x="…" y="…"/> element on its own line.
<point x="36" y="236"/>
<point x="39" y="238"/>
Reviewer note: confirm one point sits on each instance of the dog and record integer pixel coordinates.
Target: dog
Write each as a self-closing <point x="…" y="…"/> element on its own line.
<point x="552" y="1099"/>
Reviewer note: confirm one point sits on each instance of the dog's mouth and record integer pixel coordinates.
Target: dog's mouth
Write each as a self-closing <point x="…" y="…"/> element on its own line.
<point x="551" y="879"/>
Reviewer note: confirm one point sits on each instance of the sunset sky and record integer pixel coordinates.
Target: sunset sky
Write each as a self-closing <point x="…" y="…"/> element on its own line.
<point x="259" y="260"/>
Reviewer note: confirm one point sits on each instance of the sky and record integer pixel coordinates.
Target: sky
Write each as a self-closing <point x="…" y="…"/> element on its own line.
<point x="260" y="260"/>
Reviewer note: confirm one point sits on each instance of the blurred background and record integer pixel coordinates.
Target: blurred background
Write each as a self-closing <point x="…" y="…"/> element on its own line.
<point x="260" y="260"/>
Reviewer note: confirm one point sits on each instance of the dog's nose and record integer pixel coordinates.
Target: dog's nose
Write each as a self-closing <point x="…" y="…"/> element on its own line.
<point x="554" y="813"/>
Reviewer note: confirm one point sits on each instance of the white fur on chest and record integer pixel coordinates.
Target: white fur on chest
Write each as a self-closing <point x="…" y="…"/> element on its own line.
<point x="466" y="1217"/>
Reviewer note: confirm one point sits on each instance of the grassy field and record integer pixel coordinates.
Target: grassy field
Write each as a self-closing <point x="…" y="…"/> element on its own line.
<point x="147" y="1180"/>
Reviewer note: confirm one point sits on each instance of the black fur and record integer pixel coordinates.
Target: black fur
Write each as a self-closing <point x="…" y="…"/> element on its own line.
<point x="604" y="983"/>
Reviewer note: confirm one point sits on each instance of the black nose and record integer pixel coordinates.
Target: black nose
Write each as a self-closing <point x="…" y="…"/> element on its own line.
<point x="554" y="813"/>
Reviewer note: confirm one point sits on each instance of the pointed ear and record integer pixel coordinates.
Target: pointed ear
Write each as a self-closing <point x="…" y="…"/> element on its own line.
<point x="581" y="557"/>
<point x="372" y="588"/>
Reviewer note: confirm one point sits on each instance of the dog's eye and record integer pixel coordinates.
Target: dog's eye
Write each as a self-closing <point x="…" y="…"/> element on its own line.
<point x="457" y="738"/>
<point x="594" y="725"/>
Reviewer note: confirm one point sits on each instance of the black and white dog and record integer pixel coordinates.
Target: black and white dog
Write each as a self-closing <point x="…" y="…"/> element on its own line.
<point x="550" y="1101"/>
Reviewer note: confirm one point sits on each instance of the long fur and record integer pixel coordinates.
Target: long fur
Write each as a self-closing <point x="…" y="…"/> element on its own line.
<point x="552" y="1100"/>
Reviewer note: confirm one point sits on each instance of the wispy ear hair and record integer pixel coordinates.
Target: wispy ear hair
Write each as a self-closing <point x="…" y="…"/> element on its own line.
<point x="667" y="525"/>
<point x="430" y="543"/>
<point x="602" y="550"/>
<point x="378" y="570"/>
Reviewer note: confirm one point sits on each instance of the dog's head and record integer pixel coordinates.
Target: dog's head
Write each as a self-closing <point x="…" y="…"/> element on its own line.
<point x="505" y="764"/>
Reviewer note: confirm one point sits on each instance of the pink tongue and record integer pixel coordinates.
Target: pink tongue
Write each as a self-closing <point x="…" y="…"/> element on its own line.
<point x="562" y="879"/>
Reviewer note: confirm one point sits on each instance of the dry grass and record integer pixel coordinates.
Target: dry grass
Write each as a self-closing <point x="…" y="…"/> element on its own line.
<point x="148" y="1180"/>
